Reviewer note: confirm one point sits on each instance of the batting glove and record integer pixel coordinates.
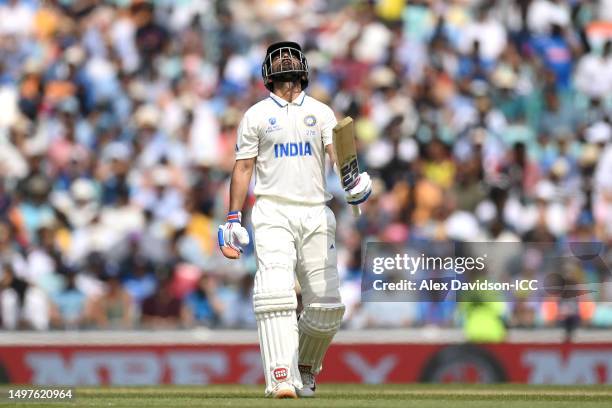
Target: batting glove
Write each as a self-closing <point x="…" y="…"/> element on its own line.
<point x="232" y="236"/>
<point x="360" y="190"/>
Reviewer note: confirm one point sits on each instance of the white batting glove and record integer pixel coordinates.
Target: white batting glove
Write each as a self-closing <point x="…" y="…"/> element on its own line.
<point x="232" y="236"/>
<point x="360" y="190"/>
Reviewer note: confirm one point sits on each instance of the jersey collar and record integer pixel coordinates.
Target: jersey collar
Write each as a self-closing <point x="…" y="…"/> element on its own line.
<point x="282" y="103"/>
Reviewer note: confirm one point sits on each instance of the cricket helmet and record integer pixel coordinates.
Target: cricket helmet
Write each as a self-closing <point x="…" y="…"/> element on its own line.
<point x="284" y="62"/>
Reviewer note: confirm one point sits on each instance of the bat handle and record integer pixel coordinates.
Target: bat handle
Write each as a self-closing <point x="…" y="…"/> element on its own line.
<point x="356" y="211"/>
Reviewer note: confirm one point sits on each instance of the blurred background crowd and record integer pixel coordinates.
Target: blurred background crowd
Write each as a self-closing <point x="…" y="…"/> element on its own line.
<point x="479" y="120"/>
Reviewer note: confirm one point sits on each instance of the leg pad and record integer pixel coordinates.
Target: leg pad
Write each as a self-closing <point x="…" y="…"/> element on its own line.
<point x="318" y="324"/>
<point x="278" y="337"/>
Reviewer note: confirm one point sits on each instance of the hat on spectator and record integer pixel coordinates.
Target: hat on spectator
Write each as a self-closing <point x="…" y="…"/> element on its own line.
<point x="382" y="77"/>
<point x="74" y="55"/>
<point x="116" y="151"/>
<point x="589" y="155"/>
<point x="598" y="133"/>
<point x="462" y="226"/>
<point x="544" y="190"/>
<point x="137" y="90"/>
<point x="146" y="116"/>
<point x="560" y="167"/>
<point x="504" y="78"/>
<point x="83" y="190"/>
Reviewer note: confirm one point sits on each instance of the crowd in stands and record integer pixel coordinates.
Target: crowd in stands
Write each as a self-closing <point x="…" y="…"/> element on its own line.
<point x="478" y="120"/>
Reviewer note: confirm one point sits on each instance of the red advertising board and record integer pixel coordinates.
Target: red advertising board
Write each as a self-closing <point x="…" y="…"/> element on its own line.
<point x="352" y="363"/>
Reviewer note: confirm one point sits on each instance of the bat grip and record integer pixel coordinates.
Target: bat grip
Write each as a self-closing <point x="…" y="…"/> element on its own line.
<point x="356" y="211"/>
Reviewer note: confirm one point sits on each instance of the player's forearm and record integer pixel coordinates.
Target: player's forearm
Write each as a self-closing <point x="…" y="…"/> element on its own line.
<point x="329" y="149"/>
<point x="241" y="177"/>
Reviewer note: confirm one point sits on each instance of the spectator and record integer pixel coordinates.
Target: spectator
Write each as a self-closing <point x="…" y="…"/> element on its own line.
<point x="17" y="17"/>
<point x="484" y="316"/>
<point x="162" y="310"/>
<point x="556" y="55"/>
<point x="487" y="32"/>
<point x="237" y="311"/>
<point x="114" y="308"/>
<point x="139" y="280"/>
<point x="602" y="201"/>
<point x="203" y="304"/>
<point x="118" y="124"/>
<point x="70" y="307"/>
<point x="593" y="75"/>
<point x="22" y="306"/>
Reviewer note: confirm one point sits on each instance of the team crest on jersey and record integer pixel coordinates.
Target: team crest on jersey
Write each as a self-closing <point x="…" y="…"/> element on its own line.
<point x="310" y="120"/>
<point x="272" y="121"/>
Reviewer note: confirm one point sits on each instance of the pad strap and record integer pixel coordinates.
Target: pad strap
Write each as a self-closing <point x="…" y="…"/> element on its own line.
<point x="321" y="319"/>
<point x="274" y="302"/>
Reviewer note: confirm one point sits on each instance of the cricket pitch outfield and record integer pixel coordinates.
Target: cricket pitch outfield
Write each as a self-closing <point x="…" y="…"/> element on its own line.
<point x="340" y="395"/>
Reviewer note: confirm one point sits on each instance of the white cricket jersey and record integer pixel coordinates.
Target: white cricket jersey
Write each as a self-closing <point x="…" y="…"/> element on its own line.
<point x="288" y="139"/>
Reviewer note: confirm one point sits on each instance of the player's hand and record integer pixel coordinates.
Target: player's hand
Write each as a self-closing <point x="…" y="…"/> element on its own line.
<point x="232" y="236"/>
<point x="360" y="191"/>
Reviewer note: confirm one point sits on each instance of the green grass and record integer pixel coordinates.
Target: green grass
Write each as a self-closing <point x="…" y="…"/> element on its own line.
<point x="342" y="395"/>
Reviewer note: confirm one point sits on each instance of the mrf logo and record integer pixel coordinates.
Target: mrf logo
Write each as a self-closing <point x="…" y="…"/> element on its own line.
<point x="140" y="367"/>
<point x="578" y="367"/>
<point x="280" y="373"/>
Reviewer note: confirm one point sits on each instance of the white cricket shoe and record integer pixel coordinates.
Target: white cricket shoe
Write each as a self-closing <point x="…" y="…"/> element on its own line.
<point x="308" y="380"/>
<point x="284" y="390"/>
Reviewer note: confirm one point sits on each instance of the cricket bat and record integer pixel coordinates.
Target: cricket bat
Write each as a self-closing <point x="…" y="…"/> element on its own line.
<point x="346" y="155"/>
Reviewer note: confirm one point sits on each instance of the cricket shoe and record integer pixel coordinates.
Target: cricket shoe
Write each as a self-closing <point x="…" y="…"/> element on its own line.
<point x="308" y="380"/>
<point x="284" y="390"/>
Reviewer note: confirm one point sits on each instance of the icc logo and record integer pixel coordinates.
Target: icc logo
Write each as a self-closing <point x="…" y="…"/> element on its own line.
<point x="310" y="120"/>
<point x="272" y="121"/>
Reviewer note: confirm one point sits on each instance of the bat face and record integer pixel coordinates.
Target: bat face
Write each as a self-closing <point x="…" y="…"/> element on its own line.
<point x="346" y="153"/>
<point x="346" y="156"/>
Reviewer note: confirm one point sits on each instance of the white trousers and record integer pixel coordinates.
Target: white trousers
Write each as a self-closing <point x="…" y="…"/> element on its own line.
<point x="296" y="240"/>
<point x="291" y="240"/>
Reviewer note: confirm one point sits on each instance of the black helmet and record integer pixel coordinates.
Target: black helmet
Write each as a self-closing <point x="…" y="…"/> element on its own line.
<point x="287" y="72"/>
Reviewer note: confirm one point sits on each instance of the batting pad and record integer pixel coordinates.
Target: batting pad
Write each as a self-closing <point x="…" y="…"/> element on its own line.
<point x="278" y="337"/>
<point x="319" y="323"/>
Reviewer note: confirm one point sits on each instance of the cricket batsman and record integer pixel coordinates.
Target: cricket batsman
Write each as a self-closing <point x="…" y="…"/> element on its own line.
<point x="284" y="138"/>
